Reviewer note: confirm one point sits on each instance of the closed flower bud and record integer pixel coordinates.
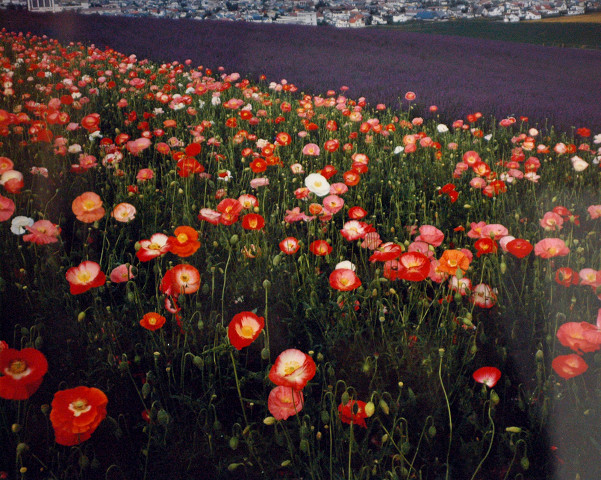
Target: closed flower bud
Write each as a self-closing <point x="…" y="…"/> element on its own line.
<point x="494" y="398"/>
<point x="525" y="463"/>
<point x="266" y="284"/>
<point x="513" y="429"/>
<point x="234" y="239"/>
<point x="384" y="406"/>
<point x="432" y="431"/>
<point x="22" y="448"/>
<point x="81" y="316"/>
<point x="198" y="362"/>
<point x="163" y="417"/>
<point x="269" y="420"/>
<point x="234" y="443"/>
<point x="370" y="408"/>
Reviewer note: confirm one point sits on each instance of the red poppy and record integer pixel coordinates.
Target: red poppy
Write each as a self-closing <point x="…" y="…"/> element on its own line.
<point x="289" y="245"/>
<point x="573" y="335"/>
<point x="413" y="266"/>
<point x="485" y="245"/>
<point x="344" y="279"/>
<point x="76" y="413"/>
<point x="568" y="366"/>
<point x="488" y="376"/>
<point x="253" y="221"/>
<point x="356" y="213"/>
<point x="185" y="242"/>
<point x="283" y="139"/>
<point x="351" y="178"/>
<point x="187" y="166"/>
<point x="85" y="276"/>
<point x="321" y="248"/>
<point x="23" y="372"/>
<point x="353" y="412"/>
<point x="328" y="171"/>
<point x="152" y="321"/>
<point x="157" y="245"/>
<point x="244" y="329"/>
<point x="385" y="252"/>
<point x="566" y="276"/>
<point x="292" y="368"/>
<point x="180" y="279"/>
<point x="519" y="247"/>
<point x="258" y="165"/>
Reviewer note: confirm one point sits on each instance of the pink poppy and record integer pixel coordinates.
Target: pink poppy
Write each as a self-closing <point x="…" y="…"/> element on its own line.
<point x="333" y="203"/>
<point x="85" y="276"/>
<point x="311" y="149"/>
<point x="284" y="402"/>
<point x="344" y="280"/>
<point x="12" y="181"/>
<point x="259" y="182"/>
<point x="124" y="212"/>
<point x="494" y="231"/>
<point x="483" y="296"/>
<point x="355" y="230"/>
<point x="462" y="286"/>
<point x="589" y="276"/>
<point x="338" y="188"/>
<point x="431" y="235"/>
<point x="136" y="146"/>
<point x="551" y="221"/>
<point x="385" y="252"/>
<point x="292" y="368"/>
<point x="476" y="229"/>
<point x="371" y="240"/>
<point x="144" y="174"/>
<point x="209" y="215"/>
<point x="42" y="232"/>
<point x="551" y="247"/>
<point x="421" y="247"/>
<point x="122" y="273"/>
<point x="7" y="208"/>
<point x="295" y="215"/>
<point x="594" y="211"/>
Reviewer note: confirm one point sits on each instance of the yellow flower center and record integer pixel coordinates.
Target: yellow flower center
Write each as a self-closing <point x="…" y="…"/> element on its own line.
<point x="89" y="205"/>
<point x="182" y="238"/>
<point x="17" y="366"/>
<point x="79" y="406"/>
<point x="83" y="277"/>
<point x="291" y="367"/>
<point x="154" y="246"/>
<point x="247" y="331"/>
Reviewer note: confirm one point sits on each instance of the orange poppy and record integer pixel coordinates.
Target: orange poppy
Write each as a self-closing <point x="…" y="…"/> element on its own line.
<point x="451" y="260"/>
<point x="185" y="243"/>
<point x="152" y="321"/>
<point x="88" y="207"/>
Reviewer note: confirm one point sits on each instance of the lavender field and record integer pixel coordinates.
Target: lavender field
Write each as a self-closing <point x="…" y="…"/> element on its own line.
<point x="550" y="85"/>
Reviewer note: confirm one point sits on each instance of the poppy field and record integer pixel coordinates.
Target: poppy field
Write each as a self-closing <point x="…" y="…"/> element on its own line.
<point x="206" y="275"/>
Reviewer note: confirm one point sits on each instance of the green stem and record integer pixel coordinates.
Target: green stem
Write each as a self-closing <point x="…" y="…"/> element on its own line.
<point x="238" y="388"/>
<point x="441" y="351"/>
<point x="490" y="445"/>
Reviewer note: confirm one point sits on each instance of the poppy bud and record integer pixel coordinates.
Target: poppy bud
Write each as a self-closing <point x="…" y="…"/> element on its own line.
<point x="81" y="316"/>
<point x="233" y="466"/>
<point x="269" y="420"/>
<point x="285" y="463"/>
<point x="266" y="284"/>
<point x="22" y="448"/>
<point x="198" y="362"/>
<point x="265" y="354"/>
<point x="234" y="443"/>
<point x="513" y="429"/>
<point x="304" y="446"/>
<point x="146" y="390"/>
<point x="539" y="356"/>
<point x="494" y="398"/>
<point x="503" y="266"/>
<point x="384" y="406"/>
<point x="345" y="398"/>
<point x="15" y="428"/>
<point x="525" y="463"/>
<point x="234" y="239"/>
<point x="84" y="462"/>
<point x="325" y="416"/>
<point x="370" y="408"/>
<point x="163" y="417"/>
<point x="432" y="431"/>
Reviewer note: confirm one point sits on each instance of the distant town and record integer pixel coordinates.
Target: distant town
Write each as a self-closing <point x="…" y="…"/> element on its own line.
<point x="337" y="13"/>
